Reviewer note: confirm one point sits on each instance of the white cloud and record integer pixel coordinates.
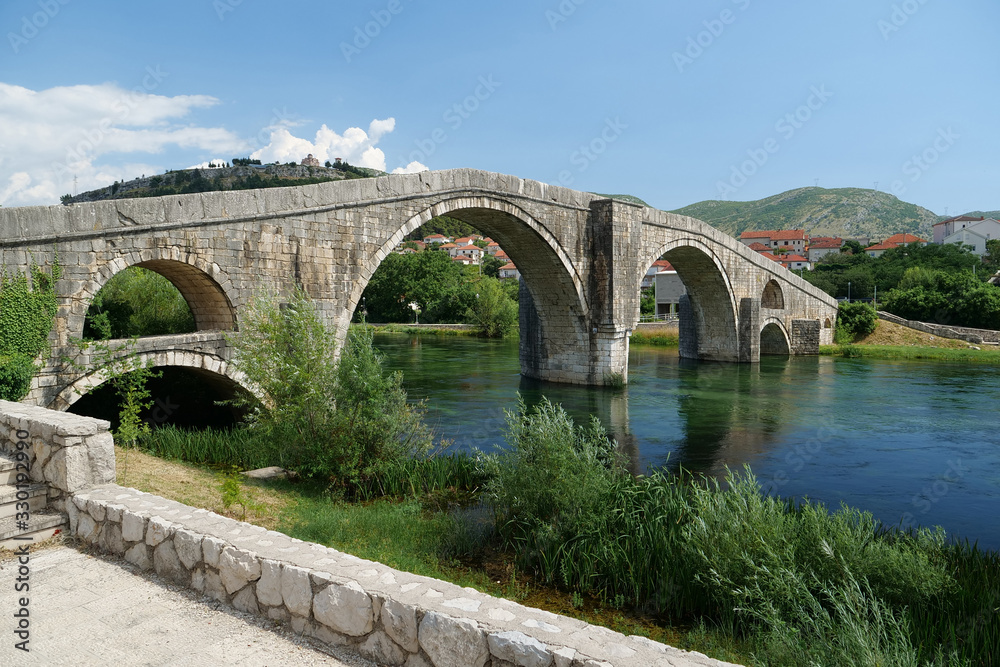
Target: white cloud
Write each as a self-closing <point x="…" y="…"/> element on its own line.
<point x="48" y="137"/>
<point x="98" y="134"/>
<point x="412" y="168"/>
<point x="355" y="145"/>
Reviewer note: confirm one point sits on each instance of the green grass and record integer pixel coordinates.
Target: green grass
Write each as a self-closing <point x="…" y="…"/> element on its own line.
<point x="639" y="337"/>
<point x="422" y="330"/>
<point x="720" y="569"/>
<point x="892" y="352"/>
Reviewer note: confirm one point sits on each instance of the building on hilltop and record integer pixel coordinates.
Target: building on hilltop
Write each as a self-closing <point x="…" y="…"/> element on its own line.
<point x="310" y="161"/>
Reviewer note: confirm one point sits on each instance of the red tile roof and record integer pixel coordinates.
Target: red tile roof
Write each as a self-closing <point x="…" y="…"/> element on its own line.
<point x="794" y="258"/>
<point x="663" y="265"/>
<point x="776" y="235"/>
<point x="508" y="265"/>
<point x="771" y="256"/>
<point x="501" y="255"/>
<point x="905" y="238"/>
<point x="825" y="242"/>
<point x="882" y="246"/>
<point x="758" y="246"/>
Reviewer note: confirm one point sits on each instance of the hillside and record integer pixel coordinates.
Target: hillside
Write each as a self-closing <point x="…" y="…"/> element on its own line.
<point x="845" y="212"/>
<point x="240" y="177"/>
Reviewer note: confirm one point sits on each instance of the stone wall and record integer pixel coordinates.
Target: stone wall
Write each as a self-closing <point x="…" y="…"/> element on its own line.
<point x="389" y="616"/>
<point x="967" y="334"/>
<point x="67" y="452"/>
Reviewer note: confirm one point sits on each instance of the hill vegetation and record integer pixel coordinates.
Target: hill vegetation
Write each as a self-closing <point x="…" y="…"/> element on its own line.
<point x="245" y="174"/>
<point x="844" y="212"/>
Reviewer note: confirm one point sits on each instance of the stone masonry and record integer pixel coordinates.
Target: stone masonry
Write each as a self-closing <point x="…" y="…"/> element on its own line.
<point x="581" y="258"/>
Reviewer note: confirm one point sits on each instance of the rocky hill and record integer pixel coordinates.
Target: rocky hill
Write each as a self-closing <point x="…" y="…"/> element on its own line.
<point x="845" y="212"/>
<point x="240" y="177"/>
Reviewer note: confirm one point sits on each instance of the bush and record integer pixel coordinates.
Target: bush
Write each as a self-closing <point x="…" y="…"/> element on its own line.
<point x="342" y="423"/>
<point x="855" y="320"/>
<point x="552" y="483"/>
<point x="16" y="372"/>
<point x="493" y="312"/>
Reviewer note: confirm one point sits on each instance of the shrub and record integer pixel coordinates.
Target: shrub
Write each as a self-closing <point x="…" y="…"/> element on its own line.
<point x="16" y="372"/>
<point x="493" y="312"/>
<point x="342" y="422"/>
<point x="855" y="320"/>
<point x="137" y="302"/>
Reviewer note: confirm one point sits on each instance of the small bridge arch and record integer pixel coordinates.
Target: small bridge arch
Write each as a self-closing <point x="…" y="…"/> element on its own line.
<point x="774" y="339"/>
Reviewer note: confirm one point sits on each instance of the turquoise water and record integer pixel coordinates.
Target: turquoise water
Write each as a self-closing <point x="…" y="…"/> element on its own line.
<point x="911" y="442"/>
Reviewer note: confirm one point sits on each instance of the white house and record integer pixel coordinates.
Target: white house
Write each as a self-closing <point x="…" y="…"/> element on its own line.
<point x="976" y="234"/>
<point x="669" y="290"/>
<point x="946" y="228"/>
<point x="508" y="270"/>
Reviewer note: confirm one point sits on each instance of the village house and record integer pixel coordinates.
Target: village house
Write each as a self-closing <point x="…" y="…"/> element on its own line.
<point x="474" y="253"/>
<point x="946" y="228"/>
<point x="821" y="246"/>
<point x="976" y="235"/>
<point x="793" y="239"/>
<point x="508" y="270"/>
<point x="669" y="288"/>
<point x="436" y="238"/>
<point x="657" y="267"/>
<point x="893" y="241"/>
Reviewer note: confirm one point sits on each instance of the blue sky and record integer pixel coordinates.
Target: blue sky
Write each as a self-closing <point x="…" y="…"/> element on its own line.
<point x="675" y="102"/>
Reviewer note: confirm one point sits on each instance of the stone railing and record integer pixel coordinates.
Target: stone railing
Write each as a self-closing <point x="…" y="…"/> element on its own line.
<point x="389" y="616"/>
<point x="67" y="452"/>
<point x="967" y="334"/>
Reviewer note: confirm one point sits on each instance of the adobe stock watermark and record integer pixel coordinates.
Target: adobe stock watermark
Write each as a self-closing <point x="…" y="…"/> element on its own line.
<point x="900" y="16"/>
<point x="933" y="493"/>
<point x="121" y="110"/>
<point x="920" y="163"/>
<point x="796" y="459"/>
<point x="714" y="28"/>
<point x="787" y="127"/>
<point x="279" y="118"/>
<point x="454" y="117"/>
<point x="588" y="153"/>
<point x="223" y="7"/>
<point x="562" y="12"/>
<point x="364" y="35"/>
<point x="33" y="24"/>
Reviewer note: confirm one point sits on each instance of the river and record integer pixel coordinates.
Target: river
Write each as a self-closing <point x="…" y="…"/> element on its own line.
<point x="912" y="442"/>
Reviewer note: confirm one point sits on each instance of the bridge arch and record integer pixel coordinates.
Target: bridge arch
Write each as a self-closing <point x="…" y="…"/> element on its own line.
<point x="710" y="297"/>
<point x="202" y="363"/>
<point x="772" y="297"/>
<point x="548" y="273"/>
<point x="774" y="338"/>
<point x="204" y="286"/>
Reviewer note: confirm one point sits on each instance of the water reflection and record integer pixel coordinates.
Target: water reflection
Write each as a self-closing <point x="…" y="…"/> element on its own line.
<point x="876" y="435"/>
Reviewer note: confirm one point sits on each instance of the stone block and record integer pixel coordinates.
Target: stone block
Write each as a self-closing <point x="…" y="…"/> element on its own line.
<point x="453" y="642"/>
<point x="345" y="608"/>
<point x="269" y="584"/>
<point x="238" y="568"/>
<point x="400" y="623"/>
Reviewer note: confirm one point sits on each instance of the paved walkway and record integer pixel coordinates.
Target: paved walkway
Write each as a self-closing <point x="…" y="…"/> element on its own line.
<point x="87" y="610"/>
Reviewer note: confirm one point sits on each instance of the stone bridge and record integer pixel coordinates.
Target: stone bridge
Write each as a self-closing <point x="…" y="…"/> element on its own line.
<point x="581" y="258"/>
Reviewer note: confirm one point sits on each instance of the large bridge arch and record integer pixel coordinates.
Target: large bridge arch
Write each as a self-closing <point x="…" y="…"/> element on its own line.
<point x="709" y="311"/>
<point x="204" y="285"/>
<point x="557" y="292"/>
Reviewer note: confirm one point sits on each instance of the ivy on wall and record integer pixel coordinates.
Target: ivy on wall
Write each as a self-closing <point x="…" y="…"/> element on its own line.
<point x="27" y="310"/>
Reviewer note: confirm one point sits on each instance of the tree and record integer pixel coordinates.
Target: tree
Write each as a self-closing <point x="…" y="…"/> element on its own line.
<point x="852" y="246"/>
<point x="992" y="257"/>
<point x="491" y="265"/>
<point x="494" y="313"/>
<point x="343" y="423"/>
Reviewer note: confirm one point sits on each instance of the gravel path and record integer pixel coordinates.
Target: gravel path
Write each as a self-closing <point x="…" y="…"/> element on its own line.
<point x="87" y="610"/>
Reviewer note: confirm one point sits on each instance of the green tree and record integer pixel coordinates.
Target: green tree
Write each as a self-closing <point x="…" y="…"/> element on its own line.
<point x="494" y="312"/>
<point x="647" y="301"/>
<point x="344" y="423"/>
<point x="137" y="302"/>
<point x="431" y="279"/>
<point x="491" y="266"/>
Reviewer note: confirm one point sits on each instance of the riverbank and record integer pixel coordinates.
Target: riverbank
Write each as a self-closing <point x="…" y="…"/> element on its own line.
<point x="422" y="329"/>
<point x="891" y="342"/>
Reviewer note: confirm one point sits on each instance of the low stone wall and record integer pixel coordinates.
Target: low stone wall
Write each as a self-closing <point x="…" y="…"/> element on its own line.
<point x="67" y="452"/>
<point x="967" y="334"/>
<point x="391" y="617"/>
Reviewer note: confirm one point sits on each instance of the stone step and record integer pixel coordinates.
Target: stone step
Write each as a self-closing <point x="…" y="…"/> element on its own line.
<point x="38" y="498"/>
<point x="8" y="469"/>
<point x="41" y="526"/>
